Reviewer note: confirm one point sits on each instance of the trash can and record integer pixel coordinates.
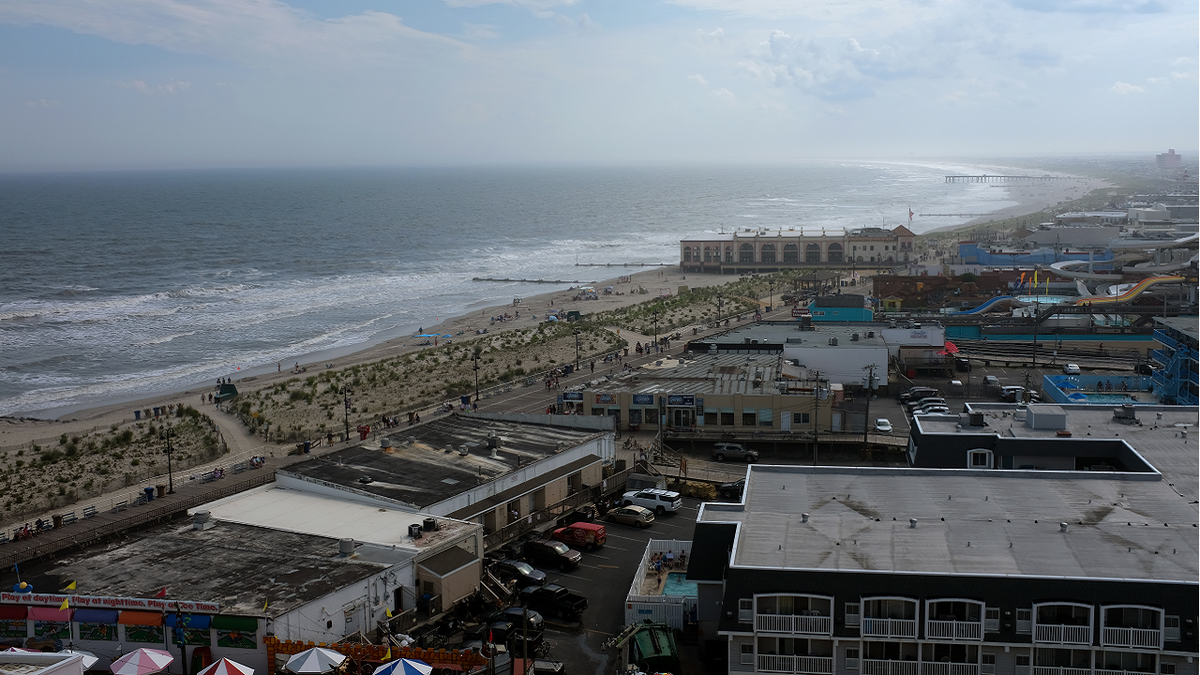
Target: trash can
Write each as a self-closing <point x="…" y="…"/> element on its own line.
<point x="307" y="447"/>
<point x="162" y="490"/>
<point x="57" y="521"/>
<point x="137" y="414"/>
<point x="149" y="494"/>
<point x="156" y="411"/>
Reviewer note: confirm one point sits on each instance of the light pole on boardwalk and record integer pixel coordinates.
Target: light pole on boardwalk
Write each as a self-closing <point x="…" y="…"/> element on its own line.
<point x="771" y="298"/>
<point x="166" y="435"/>
<point x="576" y="349"/>
<point x="720" y="301"/>
<point x="656" y="330"/>
<point x="346" y="394"/>
<point x="475" y="357"/>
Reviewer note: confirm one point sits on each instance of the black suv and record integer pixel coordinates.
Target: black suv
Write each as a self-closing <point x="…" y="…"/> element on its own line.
<point x="732" y="490"/>
<point x="522" y="572"/>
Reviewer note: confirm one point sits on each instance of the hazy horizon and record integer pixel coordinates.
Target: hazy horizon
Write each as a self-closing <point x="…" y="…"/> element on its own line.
<point x="157" y="84"/>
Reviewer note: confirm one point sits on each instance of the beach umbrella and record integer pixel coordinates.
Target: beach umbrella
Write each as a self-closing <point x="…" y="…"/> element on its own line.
<point x="142" y="662"/>
<point x="89" y="659"/>
<point x="404" y="667"/>
<point x="314" y="661"/>
<point x="224" y="666"/>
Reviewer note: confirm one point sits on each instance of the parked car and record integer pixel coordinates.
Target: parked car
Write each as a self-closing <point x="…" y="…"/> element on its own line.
<point x="917" y="393"/>
<point x="883" y="426"/>
<point x="657" y="500"/>
<point x="588" y="536"/>
<point x="991" y="381"/>
<point x="932" y="410"/>
<point x="721" y="451"/>
<point x="550" y="553"/>
<point x="515" y="615"/>
<point x="962" y="364"/>
<point x="524" y="573"/>
<point x="554" y="600"/>
<point x="926" y="401"/>
<point x="638" y="516"/>
<point x="732" y="490"/>
<point x="1013" y="394"/>
<point x="1071" y="369"/>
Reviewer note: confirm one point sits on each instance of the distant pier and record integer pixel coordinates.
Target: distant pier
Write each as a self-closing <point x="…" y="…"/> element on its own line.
<point x="988" y="178"/>
<point x="532" y="281"/>
<point x="952" y="215"/>
<point x="625" y="264"/>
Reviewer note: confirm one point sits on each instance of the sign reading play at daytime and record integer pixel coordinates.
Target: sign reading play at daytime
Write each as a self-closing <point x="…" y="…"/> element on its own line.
<point x="96" y="601"/>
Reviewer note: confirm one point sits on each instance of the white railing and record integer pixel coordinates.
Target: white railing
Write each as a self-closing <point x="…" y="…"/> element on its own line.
<point x="939" y="668"/>
<point x="816" y="665"/>
<point x="788" y="623"/>
<point x="885" y="667"/>
<point x="1062" y="634"/>
<point x="1131" y="637"/>
<point x="1109" y="671"/>
<point x="888" y="628"/>
<point x="1055" y="670"/>
<point x="954" y="630"/>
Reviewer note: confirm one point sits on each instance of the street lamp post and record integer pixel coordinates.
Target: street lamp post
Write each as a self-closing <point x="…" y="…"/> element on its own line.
<point x="576" y="349"/>
<point x="475" y="357"/>
<point x="656" y="331"/>
<point x="720" y="301"/>
<point x="870" y="381"/>
<point x="771" y="298"/>
<point x="346" y="414"/>
<point x="166" y="434"/>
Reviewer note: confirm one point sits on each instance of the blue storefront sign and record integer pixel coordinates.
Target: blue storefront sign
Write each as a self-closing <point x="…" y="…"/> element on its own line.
<point x="681" y="400"/>
<point x="643" y="399"/>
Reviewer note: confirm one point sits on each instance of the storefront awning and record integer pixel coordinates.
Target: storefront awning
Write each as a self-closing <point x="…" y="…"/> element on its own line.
<point x="13" y="612"/>
<point x="96" y="616"/>
<point x="243" y="623"/>
<point x="191" y="621"/>
<point x="50" y="614"/>
<point x="131" y="618"/>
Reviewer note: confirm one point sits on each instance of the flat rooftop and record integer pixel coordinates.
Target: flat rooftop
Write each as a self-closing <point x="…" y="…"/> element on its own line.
<point x="1159" y="441"/>
<point x="968" y="522"/>
<point x="788" y="333"/>
<point x="425" y="464"/>
<point x="1184" y="324"/>
<point x="311" y="513"/>
<point x="238" y="566"/>
<point x="723" y="373"/>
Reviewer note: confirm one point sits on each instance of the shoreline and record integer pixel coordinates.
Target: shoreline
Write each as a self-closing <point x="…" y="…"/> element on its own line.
<point x="1032" y="198"/>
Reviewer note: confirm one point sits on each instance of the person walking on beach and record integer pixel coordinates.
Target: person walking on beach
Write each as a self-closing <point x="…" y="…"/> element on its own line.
<point x="279" y="366"/>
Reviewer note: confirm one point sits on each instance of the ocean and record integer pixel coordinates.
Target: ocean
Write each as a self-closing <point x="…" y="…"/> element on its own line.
<point x="125" y="285"/>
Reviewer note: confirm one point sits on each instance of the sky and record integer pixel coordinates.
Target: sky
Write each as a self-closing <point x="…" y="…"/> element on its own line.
<point x="148" y="84"/>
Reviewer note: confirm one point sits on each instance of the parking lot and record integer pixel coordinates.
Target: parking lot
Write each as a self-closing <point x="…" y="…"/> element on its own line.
<point x="605" y="576"/>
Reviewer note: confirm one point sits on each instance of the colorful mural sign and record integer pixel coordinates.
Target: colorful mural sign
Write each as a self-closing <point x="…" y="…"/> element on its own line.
<point x="97" y="631"/>
<point x="237" y="639"/>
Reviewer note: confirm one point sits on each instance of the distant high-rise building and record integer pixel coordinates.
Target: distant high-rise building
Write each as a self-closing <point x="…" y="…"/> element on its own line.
<point x="1170" y="160"/>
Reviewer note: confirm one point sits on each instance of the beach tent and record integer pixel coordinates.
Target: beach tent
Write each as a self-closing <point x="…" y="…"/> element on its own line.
<point x="226" y="392"/>
<point x="404" y="667"/>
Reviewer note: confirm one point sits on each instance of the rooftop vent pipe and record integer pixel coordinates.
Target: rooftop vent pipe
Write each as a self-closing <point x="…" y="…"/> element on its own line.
<point x="804" y="517"/>
<point x="345" y="546"/>
<point x="912" y="523"/>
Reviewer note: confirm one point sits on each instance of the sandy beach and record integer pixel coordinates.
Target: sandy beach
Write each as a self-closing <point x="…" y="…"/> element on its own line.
<point x="1033" y="198"/>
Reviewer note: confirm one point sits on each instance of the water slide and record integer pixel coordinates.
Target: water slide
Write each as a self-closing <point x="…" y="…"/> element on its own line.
<point x="1069" y="268"/>
<point x="1131" y="293"/>
<point x="992" y="304"/>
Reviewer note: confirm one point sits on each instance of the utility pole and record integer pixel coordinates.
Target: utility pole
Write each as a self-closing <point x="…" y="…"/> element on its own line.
<point x="475" y="358"/>
<point x="771" y="297"/>
<point x="870" y="381"/>
<point x="346" y="394"/>
<point x="167" y="433"/>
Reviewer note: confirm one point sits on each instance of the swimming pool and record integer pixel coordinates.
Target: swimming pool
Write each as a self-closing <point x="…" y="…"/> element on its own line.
<point x="1045" y="299"/>
<point x="1102" y="398"/>
<point x="677" y="584"/>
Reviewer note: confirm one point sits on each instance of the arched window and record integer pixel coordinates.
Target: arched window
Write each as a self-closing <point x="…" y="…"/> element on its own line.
<point x="791" y="253"/>
<point x="768" y="253"/>
<point x="835" y="253"/>
<point x="979" y="458"/>
<point x="812" y="253"/>
<point x="728" y="254"/>
<point x="687" y="254"/>
<point x="746" y="254"/>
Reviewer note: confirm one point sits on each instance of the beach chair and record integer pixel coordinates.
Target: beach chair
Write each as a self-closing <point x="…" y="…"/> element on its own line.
<point x="239" y="467"/>
<point x="89" y="512"/>
<point x="4" y="537"/>
<point x="207" y="477"/>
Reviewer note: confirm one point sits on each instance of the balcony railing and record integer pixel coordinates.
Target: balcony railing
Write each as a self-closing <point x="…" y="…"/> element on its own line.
<point x="889" y="628"/>
<point x="1056" y="670"/>
<point x="789" y="623"/>
<point x="1062" y="634"/>
<point x="954" y="630"/>
<point x="939" y="668"/>
<point x="816" y="665"/>
<point x="1108" y="671"/>
<point x="1131" y="637"/>
<point x="1160" y="357"/>
<point x="885" y="667"/>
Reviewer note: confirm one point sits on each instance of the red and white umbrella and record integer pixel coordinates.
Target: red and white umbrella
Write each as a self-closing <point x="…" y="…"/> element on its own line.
<point x="224" y="666"/>
<point x="142" y="662"/>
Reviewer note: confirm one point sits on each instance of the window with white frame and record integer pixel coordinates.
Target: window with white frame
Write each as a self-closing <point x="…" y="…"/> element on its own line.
<point x="851" y="658"/>
<point x="852" y="615"/>
<point x="1171" y="628"/>
<point x="800" y="418"/>
<point x="979" y="459"/>
<point x="991" y="619"/>
<point x="987" y="663"/>
<point x="1024" y="620"/>
<point x="747" y="653"/>
<point x="746" y="610"/>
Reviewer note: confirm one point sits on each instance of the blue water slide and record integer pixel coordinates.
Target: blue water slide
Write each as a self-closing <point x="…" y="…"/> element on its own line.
<point x="988" y="305"/>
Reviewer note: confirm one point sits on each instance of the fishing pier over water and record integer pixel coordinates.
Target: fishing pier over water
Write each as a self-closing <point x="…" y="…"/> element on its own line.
<point x="987" y="178"/>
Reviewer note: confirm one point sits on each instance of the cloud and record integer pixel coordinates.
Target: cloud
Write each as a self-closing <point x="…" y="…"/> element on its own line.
<point x="717" y="35"/>
<point x="698" y="78"/>
<point x="1091" y="6"/>
<point x="42" y="103"/>
<point x="583" y="24"/>
<point x="724" y="94"/>
<point x="480" y="31"/>
<point x="166" y="88"/>
<point x="1124" y="89"/>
